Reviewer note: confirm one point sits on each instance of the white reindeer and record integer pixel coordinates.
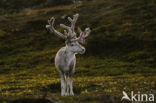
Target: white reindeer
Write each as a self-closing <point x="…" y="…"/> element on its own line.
<point x="65" y="59"/>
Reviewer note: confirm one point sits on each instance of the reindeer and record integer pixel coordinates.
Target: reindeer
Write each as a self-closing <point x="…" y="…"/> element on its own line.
<point x="65" y="59"/>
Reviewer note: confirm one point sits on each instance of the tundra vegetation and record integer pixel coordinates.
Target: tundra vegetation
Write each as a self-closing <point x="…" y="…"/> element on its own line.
<point x="120" y="52"/>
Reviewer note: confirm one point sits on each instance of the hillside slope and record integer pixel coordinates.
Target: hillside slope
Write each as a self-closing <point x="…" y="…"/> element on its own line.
<point x="120" y="54"/>
<point x="118" y="28"/>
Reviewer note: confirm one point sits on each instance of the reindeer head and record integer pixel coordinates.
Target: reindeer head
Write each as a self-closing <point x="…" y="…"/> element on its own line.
<point x="72" y="41"/>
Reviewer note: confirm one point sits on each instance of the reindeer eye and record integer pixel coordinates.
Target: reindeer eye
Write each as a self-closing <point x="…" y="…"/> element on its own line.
<point x="72" y="44"/>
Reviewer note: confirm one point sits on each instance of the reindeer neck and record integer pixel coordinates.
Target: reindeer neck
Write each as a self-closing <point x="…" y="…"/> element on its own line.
<point x="69" y="53"/>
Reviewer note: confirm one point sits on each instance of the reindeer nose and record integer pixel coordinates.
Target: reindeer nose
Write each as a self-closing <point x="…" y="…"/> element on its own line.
<point x="83" y="50"/>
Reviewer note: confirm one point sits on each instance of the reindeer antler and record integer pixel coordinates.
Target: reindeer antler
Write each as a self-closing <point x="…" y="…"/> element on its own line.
<point x="70" y="35"/>
<point x="73" y="21"/>
<point x="51" y="27"/>
<point x="71" y="30"/>
<point x="83" y="35"/>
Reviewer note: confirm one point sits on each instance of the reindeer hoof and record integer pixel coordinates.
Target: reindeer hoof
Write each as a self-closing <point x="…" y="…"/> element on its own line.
<point x="63" y="94"/>
<point x="66" y="94"/>
<point x="71" y="93"/>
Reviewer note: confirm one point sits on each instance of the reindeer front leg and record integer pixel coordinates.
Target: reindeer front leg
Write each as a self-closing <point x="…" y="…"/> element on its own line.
<point x="70" y="85"/>
<point x="63" y="84"/>
<point x="71" y="72"/>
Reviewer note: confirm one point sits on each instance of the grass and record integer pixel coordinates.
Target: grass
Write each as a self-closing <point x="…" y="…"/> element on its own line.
<point x="105" y="78"/>
<point x="120" y="54"/>
<point x="85" y="87"/>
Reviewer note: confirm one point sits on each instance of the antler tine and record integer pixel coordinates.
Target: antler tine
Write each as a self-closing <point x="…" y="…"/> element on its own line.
<point x="83" y="35"/>
<point x="65" y="27"/>
<point x="79" y="29"/>
<point x="51" y="27"/>
<point x="73" y="21"/>
<point x="68" y="28"/>
<point x="87" y="32"/>
<point x="65" y="32"/>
